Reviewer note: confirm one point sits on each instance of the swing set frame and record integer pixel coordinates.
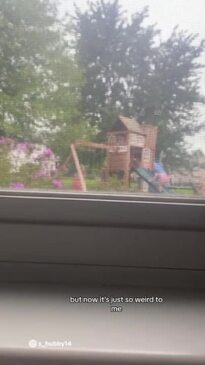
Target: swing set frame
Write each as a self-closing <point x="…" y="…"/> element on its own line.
<point x="126" y="136"/>
<point x="74" y="156"/>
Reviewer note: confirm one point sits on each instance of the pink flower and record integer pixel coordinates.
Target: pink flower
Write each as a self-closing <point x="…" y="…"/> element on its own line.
<point x="47" y="152"/>
<point x="58" y="184"/>
<point x="42" y="173"/>
<point x="6" y="141"/>
<point x="17" y="185"/>
<point x="2" y="141"/>
<point x="23" y="147"/>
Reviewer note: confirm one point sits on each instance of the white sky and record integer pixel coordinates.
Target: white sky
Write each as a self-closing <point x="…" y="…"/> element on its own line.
<point x="188" y="14"/>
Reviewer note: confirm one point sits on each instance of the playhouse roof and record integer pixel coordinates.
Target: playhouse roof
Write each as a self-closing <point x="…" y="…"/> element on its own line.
<point x="130" y="124"/>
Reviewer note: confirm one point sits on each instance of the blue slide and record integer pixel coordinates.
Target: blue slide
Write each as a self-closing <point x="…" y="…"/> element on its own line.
<point x="147" y="176"/>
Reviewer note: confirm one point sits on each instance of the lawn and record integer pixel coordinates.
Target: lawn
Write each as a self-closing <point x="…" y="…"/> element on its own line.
<point x="115" y="185"/>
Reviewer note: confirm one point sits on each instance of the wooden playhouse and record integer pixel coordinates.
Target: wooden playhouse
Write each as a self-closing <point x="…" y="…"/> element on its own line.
<point x="130" y="144"/>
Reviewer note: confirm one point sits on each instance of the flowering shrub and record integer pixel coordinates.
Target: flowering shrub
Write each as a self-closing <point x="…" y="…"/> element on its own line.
<point x="24" y="164"/>
<point x="47" y="152"/>
<point x="58" y="184"/>
<point x="17" y="185"/>
<point x="5" y="141"/>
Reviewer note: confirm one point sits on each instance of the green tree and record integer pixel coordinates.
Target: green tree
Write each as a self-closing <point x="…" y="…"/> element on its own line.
<point x="27" y="36"/>
<point x="174" y="93"/>
<point x="99" y="44"/>
<point x="197" y="159"/>
<point x="60" y="121"/>
<point x="129" y="70"/>
<point x="40" y="80"/>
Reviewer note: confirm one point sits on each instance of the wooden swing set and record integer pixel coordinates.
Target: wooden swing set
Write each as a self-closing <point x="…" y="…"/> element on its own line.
<point x="74" y="156"/>
<point x="127" y="141"/>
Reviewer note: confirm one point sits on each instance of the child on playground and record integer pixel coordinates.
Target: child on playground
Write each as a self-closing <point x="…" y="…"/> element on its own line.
<point x="161" y="175"/>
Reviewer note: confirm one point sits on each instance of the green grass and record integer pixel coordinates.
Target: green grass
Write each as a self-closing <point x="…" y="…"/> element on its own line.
<point x="116" y="185"/>
<point x="96" y="184"/>
<point x="67" y="181"/>
<point x="184" y="191"/>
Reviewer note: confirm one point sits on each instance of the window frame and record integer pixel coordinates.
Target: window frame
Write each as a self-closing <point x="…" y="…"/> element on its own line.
<point x="135" y="229"/>
<point x="145" y="211"/>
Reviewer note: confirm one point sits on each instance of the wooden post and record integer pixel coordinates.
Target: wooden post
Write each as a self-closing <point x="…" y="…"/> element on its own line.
<point x="78" y="168"/>
<point x="101" y="146"/>
<point x="127" y="167"/>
